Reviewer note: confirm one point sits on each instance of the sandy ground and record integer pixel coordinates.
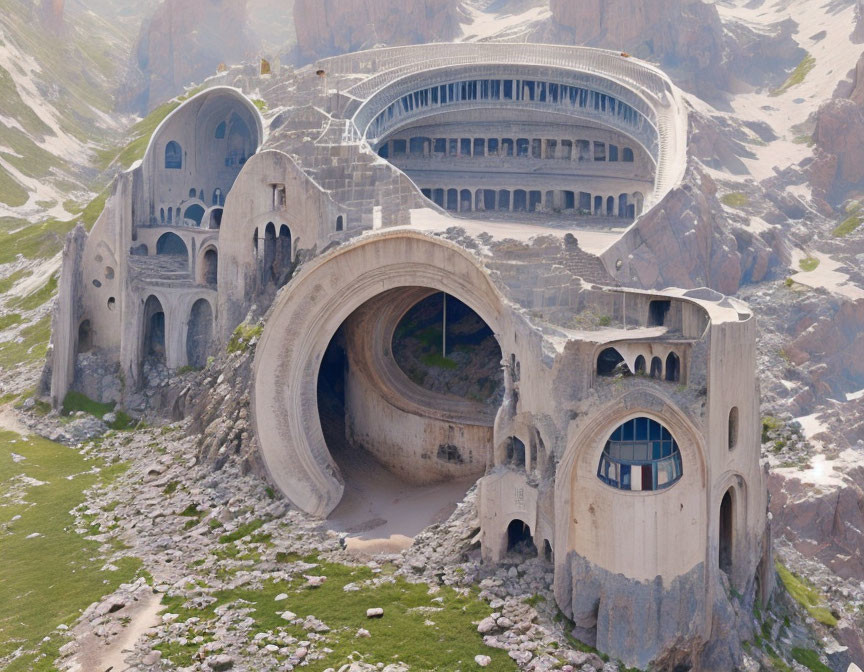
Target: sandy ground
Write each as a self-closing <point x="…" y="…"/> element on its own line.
<point x="94" y="656"/>
<point x="380" y="512"/>
<point x="9" y="421"/>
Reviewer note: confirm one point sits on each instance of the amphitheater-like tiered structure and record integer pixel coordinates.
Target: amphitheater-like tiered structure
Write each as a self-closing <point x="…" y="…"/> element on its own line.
<point x="623" y="445"/>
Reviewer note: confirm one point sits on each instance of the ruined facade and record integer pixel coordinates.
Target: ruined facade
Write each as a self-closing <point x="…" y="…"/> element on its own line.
<point x="623" y="450"/>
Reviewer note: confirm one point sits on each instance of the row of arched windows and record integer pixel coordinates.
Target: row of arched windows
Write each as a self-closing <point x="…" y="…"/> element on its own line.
<point x="536" y="148"/>
<point x="611" y="363"/>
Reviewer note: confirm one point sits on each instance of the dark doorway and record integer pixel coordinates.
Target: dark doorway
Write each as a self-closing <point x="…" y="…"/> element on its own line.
<point x="519" y="539"/>
<point x="673" y="368"/>
<point x="657" y="311"/>
<point x="154" y="329"/>
<point x="608" y="362"/>
<point x="726" y="524"/>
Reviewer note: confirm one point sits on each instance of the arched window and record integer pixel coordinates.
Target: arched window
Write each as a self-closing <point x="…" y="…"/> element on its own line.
<point x="733" y="427"/>
<point x="628" y="155"/>
<point x="673" y="368"/>
<point x="85" y="340"/>
<point x="608" y="361"/>
<point x="173" y="156"/>
<point x="640" y="365"/>
<point x="171" y="244"/>
<point x="193" y="193"/>
<point x="515" y="452"/>
<point x="217" y="197"/>
<point x="220" y="131"/>
<point x="210" y="270"/>
<point x="641" y="454"/>
<point x="194" y="213"/>
<point x="340" y="223"/>
<point x="726" y="532"/>
<point x="656" y="367"/>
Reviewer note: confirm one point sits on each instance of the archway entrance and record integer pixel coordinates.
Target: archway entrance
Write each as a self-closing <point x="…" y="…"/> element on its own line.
<point x="308" y="313"/>
<point x="519" y="539"/>
<point x="154" y="330"/>
<point x="407" y="393"/>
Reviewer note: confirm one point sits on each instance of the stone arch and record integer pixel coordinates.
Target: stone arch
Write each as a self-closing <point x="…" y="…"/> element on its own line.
<point x="304" y="319"/>
<point x="673" y="368"/>
<point x="195" y="212"/>
<point x="154" y="329"/>
<point x="607" y="361"/>
<point x="85" y="337"/>
<point x="519" y="538"/>
<point x="639" y="365"/>
<point x="215" y="218"/>
<point x="199" y="333"/>
<point x="656" y="368"/>
<point x="209" y="266"/>
<point x="172" y="244"/>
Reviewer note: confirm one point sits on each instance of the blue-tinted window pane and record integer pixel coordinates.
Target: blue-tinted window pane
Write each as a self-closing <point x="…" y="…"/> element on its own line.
<point x="627" y="431"/>
<point x="642" y="429"/>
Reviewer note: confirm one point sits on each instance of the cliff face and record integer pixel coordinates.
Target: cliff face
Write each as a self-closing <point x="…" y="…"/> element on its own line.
<point x="184" y="42"/>
<point x="686" y="37"/>
<point x="329" y="27"/>
<point x="673" y="32"/>
<point x="837" y="173"/>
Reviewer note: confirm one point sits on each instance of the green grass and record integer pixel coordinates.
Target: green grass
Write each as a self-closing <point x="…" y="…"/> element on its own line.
<point x="75" y="401"/>
<point x="847" y="226"/>
<point x="804" y="140"/>
<point x="436" y="359"/>
<point x="10" y="320"/>
<point x="401" y="635"/>
<point x="243" y="531"/>
<point x="809" y="264"/>
<point x="12" y="279"/>
<point x="735" y="199"/>
<point x="37" y="298"/>
<point x="243" y="335"/>
<point x="260" y="104"/>
<point x="32" y="241"/>
<point x="49" y="580"/>
<point x="141" y="134"/>
<point x="31" y="349"/>
<point x="810" y="660"/>
<point x="11" y="192"/>
<point x="806" y="595"/>
<point x="798" y="75"/>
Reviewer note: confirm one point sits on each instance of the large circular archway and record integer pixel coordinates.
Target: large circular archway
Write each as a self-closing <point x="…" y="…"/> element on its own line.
<point x="302" y="325"/>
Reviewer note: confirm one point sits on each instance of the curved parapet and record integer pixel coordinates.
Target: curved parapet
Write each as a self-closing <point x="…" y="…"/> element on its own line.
<point x="303" y="321"/>
<point x="659" y="117"/>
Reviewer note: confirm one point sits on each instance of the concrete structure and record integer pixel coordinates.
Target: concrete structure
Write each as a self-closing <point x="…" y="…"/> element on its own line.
<point x="625" y="451"/>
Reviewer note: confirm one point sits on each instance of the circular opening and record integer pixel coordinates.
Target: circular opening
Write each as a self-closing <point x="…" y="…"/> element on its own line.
<point x="405" y="416"/>
<point x="97" y="284"/>
<point x="444" y="346"/>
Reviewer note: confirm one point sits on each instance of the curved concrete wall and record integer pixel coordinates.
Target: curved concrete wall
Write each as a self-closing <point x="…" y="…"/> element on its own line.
<point x="411" y="430"/>
<point x="305" y="318"/>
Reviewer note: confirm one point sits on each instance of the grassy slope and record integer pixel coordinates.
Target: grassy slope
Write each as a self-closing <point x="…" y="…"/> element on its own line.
<point x="37" y="596"/>
<point x="449" y="643"/>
